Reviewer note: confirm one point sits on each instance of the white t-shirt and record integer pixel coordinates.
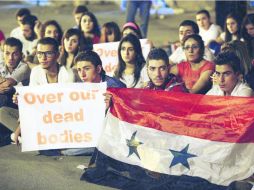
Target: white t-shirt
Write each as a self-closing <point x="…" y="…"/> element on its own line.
<point x="179" y="55"/>
<point x="241" y="89"/>
<point x="211" y="34"/>
<point x="28" y="46"/>
<point x="129" y="79"/>
<point x="38" y="76"/>
<point x="20" y="74"/>
<point x="16" y="33"/>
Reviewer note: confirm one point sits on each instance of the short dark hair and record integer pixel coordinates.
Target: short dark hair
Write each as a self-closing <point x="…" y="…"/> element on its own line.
<point x="14" y="42"/>
<point x="90" y="56"/>
<point x="203" y="11"/>
<point x="23" y="12"/>
<point x="157" y="54"/>
<point x="190" y="23"/>
<point x="228" y="58"/>
<point x="49" y="41"/>
<point x="30" y="20"/>
<point x="80" y="9"/>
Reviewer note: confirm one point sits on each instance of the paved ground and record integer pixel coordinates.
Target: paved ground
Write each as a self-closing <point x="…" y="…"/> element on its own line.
<point x="28" y="171"/>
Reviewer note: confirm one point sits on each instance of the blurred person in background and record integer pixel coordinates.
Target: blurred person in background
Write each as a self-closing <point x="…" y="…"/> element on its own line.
<point x="20" y="14"/>
<point x="207" y="30"/>
<point x="144" y="13"/>
<point x="77" y="13"/>
<point x="90" y="27"/>
<point x="110" y="32"/>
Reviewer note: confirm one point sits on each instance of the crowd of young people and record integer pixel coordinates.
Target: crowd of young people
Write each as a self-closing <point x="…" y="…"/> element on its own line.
<point x="206" y="61"/>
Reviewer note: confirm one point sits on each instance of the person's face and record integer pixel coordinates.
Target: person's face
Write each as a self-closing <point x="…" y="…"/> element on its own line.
<point x="71" y="44"/>
<point x="203" y="21"/>
<point x="110" y="36"/>
<point x="157" y="71"/>
<point x="185" y="31"/>
<point x="231" y="25"/>
<point x="12" y="56"/>
<point x="250" y="29"/>
<point x="19" y="19"/>
<point x="52" y="32"/>
<point x="226" y="77"/>
<point x="129" y="31"/>
<point x="192" y="50"/>
<point x="27" y="31"/>
<point x="77" y="17"/>
<point x="128" y="53"/>
<point x="86" y="24"/>
<point x="88" y="72"/>
<point x="47" y="56"/>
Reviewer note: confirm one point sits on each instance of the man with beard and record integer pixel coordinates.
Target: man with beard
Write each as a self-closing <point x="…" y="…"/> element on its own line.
<point x="158" y="73"/>
<point x="29" y="38"/>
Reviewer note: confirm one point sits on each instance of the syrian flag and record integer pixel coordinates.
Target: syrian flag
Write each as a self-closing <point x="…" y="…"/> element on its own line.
<point x="164" y="140"/>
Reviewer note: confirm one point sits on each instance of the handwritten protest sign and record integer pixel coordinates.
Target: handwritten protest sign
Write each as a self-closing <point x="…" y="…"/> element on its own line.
<point x="56" y="116"/>
<point x="108" y="54"/>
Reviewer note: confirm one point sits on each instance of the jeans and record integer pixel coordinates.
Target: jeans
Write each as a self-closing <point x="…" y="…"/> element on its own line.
<point x="144" y="13"/>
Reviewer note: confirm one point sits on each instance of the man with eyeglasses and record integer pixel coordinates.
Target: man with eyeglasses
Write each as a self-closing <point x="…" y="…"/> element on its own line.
<point x="49" y="70"/>
<point x="227" y="78"/>
<point x="187" y="27"/>
<point x="12" y="71"/>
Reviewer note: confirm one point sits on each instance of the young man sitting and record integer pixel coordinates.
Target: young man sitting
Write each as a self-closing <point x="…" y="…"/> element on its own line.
<point x="158" y="73"/>
<point x="12" y="71"/>
<point x="227" y="77"/>
<point x="89" y="67"/>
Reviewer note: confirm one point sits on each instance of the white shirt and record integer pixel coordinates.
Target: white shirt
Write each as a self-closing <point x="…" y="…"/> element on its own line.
<point x="241" y="89"/>
<point x="179" y="55"/>
<point x="17" y="33"/>
<point x="38" y="76"/>
<point x="129" y="79"/>
<point x="20" y="74"/>
<point x="211" y="34"/>
<point x="28" y="46"/>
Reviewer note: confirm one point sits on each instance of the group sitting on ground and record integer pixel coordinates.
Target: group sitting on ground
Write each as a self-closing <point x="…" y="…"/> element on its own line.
<point x="41" y="53"/>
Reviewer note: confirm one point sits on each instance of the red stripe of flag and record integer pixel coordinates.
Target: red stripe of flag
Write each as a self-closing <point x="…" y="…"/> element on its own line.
<point x="226" y="119"/>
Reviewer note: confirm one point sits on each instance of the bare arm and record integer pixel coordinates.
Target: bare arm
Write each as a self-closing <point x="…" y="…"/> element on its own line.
<point x="203" y="80"/>
<point x="174" y="70"/>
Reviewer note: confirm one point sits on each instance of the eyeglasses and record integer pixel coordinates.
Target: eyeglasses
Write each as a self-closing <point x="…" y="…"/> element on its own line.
<point x="188" y="48"/>
<point x="48" y="54"/>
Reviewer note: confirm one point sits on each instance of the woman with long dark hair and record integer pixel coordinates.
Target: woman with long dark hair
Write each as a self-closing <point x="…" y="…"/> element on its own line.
<point x="90" y="27"/>
<point x="110" y="32"/>
<point x="248" y="33"/>
<point x="72" y="42"/>
<point x="232" y="29"/>
<point x="131" y="63"/>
